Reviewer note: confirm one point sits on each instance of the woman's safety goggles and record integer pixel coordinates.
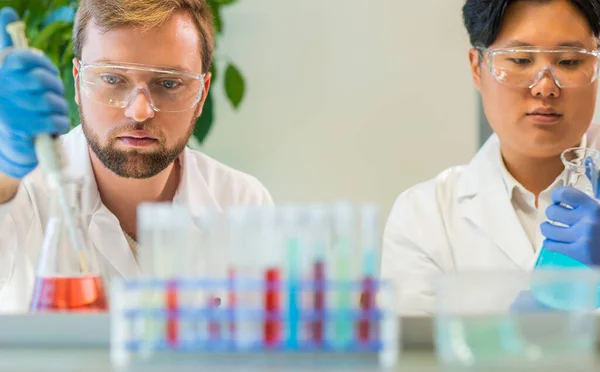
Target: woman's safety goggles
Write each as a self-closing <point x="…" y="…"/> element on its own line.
<point x="524" y="67"/>
<point x="117" y="84"/>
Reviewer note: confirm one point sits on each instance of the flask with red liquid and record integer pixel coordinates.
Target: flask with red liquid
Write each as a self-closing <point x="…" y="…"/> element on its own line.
<point x="68" y="277"/>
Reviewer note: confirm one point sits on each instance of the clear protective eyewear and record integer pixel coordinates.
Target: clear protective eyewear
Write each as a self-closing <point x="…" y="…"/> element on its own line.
<point x="525" y="67"/>
<point x="117" y="85"/>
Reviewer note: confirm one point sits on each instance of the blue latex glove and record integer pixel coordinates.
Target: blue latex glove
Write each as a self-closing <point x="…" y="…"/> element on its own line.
<point x="581" y="239"/>
<point x="31" y="102"/>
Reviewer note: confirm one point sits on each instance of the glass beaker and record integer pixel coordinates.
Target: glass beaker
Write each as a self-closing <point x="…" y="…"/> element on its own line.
<point x="582" y="169"/>
<point x="490" y="321"/>
<point x="68" y="277"/>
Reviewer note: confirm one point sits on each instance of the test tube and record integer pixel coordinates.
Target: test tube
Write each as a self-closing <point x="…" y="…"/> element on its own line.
<point x="369" y="233"/>
<point x="212" y="252"/>
<point x="291" y="247"/>
<point x="249" y="232"/>
<point x="345" y="271"/>
<point x="165" y="248"/>
<point x="271" y="266"/>
<point x="316" y="252"/>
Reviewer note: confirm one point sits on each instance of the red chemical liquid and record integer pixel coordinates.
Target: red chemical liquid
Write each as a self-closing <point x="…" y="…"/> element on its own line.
<point x="77" y="294"/>
<point x="172" y="331"/>
<point x="214" y="328"/>
<point x="231" y="299"/>
<point x="367" y="303"/>
<point x="272" y="331"/>
<point x="319" y="302"/>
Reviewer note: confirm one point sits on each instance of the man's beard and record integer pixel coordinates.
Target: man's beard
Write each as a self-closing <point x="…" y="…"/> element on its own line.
<point x="135" y="163"/>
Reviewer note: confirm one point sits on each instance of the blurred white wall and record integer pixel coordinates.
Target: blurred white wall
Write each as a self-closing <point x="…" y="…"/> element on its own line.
<point x="346" y="98"/>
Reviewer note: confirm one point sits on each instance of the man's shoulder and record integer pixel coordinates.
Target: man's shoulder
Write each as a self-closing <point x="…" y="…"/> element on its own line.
<point x="226" y="182"/>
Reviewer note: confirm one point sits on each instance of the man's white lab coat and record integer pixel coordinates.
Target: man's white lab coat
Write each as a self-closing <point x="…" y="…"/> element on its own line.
<point x="462" y="220"/>
<point x="204" y="183"/>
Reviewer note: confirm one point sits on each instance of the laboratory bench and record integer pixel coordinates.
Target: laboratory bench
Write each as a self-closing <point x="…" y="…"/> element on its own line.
<point x="61" y="342"/>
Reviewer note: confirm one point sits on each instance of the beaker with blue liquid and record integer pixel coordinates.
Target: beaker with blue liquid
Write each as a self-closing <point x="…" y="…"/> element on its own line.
<point x="582" y="170"/>
<point x="484" y="321"/>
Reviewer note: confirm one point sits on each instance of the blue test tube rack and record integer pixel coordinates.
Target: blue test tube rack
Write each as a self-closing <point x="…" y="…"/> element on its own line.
<point x="154" y="319"/>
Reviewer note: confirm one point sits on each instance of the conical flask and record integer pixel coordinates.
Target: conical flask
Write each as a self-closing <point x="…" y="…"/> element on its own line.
<point x="68" y="277"/>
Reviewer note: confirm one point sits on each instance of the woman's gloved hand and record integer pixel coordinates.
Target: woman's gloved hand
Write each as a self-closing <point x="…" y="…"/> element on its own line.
<point x="31" y="102"/>
<point x="580" y="239"/>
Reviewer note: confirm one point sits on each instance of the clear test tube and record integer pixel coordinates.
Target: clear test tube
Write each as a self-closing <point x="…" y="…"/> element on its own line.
<point x="164" y="236"/>
<point x="345" y="272"/>
<point x="369" y="246"/>
<point x="247" y="226"/>
<point x="212" y="262"/>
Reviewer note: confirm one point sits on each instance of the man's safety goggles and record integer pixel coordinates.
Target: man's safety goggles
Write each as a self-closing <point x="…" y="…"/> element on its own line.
<point x="117" y="84"/>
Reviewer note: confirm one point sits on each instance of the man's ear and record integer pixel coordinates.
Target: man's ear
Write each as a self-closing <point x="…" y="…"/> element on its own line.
<point x="207" y="81"/>
<point x="76" y="68"/>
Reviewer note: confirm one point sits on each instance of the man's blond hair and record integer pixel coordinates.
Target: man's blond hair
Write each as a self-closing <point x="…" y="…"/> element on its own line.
<point x="147" y="14"/>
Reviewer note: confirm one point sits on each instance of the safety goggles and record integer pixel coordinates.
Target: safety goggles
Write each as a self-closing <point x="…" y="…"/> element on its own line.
<point x="524" y="67"/>
<point x="117" y="84"/>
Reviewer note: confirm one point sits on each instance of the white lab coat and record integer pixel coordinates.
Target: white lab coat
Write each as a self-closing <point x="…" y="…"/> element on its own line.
<point x="204" y="183"/>
<point x="462" y="220"/>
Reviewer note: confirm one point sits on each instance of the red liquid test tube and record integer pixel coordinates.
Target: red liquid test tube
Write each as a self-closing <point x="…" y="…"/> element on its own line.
<point x="172" y="310"/>
<point x="319" y="303"/>
<point x="272" y="327"/>
<point x="367" y="304"/>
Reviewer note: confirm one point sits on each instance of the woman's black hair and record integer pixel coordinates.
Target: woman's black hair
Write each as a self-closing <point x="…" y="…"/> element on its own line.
<point x="483" y="18"/>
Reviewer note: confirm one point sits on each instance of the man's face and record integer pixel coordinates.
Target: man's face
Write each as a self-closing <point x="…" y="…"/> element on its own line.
<point x="509" y="110"/>
<point x="136" y="141"/>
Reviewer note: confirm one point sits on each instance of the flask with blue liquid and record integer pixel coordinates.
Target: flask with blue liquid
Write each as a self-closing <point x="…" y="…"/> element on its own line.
<point x="582" y="170"/>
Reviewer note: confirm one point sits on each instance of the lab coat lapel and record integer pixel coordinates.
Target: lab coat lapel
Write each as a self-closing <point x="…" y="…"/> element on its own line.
<point x="104" y="229"/>
<point x="485" y="202"/>
<point x="108" y="238"/>
<point x="194" y="190"/>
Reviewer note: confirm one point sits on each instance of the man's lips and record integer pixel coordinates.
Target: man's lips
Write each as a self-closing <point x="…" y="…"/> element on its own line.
<point x="138" y="134"/>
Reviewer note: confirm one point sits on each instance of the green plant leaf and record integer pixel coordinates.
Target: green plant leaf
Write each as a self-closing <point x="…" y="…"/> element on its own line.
<point x="218" y="20"/>
<point x="206" y="120"/>
<point x="67" y="54"/>
<point x="213" y="72"/>
<point x="235" y="85"/>
<point x="67" y="78"/>
<point x="226" y="2"/>
<point x="42" y="40"/>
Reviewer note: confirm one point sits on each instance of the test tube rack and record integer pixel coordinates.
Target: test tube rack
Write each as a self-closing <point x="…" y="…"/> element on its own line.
<point x="202" y="321"/>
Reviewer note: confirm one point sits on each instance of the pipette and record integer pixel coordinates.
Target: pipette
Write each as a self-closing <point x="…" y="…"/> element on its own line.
<point x="48" y="155"/>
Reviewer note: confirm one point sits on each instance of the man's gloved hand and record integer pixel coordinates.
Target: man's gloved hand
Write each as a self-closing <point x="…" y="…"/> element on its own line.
<point x="580" y="240"/>
<point x="31" y="103"/>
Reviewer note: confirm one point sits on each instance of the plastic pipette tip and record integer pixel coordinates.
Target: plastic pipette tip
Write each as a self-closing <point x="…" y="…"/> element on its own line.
<point x="16" y="30"/>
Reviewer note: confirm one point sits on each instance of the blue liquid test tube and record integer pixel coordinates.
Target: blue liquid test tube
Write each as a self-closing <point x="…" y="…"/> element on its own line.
<point x="291" y="240"/>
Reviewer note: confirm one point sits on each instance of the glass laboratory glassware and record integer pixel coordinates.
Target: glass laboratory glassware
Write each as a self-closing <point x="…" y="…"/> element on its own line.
<point x="582" y="169"/>
<point x="69" y="278"/>
<point x="488" y="320"/>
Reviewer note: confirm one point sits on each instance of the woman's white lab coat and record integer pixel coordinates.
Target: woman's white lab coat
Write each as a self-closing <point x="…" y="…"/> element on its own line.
<point x="204" y="183"/>
<point x="462" y="220"/>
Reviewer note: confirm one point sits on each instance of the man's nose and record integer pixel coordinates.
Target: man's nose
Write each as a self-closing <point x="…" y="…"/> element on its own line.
<point x="546" y="84"/>
<point x="140" y="107"/>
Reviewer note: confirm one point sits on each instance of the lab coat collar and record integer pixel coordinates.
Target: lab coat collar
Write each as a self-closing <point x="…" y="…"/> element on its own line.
<point x="485" y="201"/>
<point x="104" y="228"/>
